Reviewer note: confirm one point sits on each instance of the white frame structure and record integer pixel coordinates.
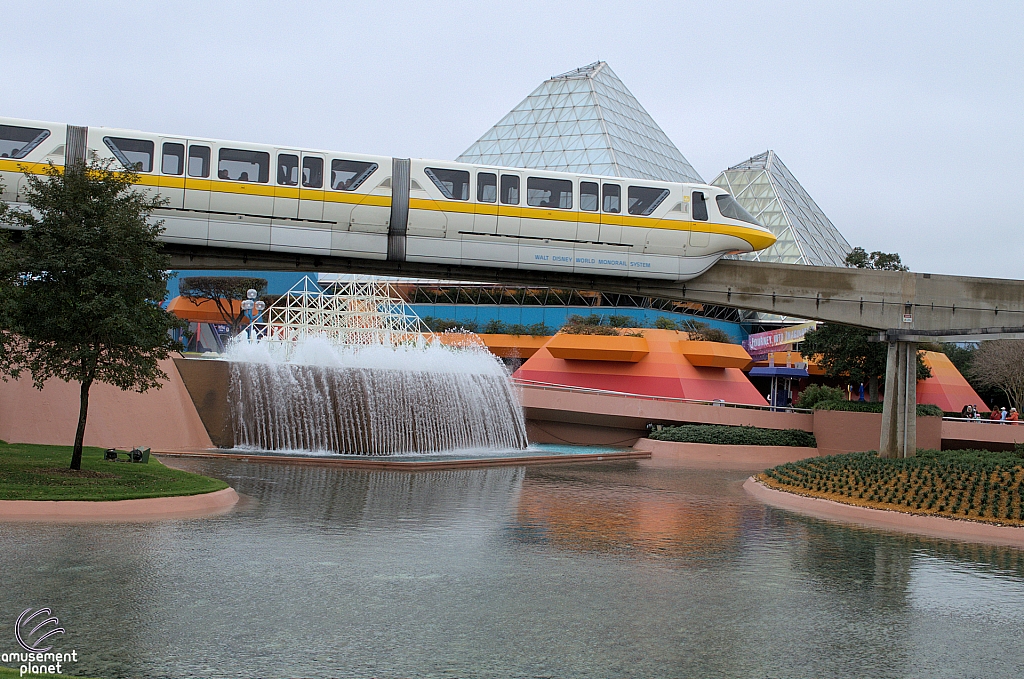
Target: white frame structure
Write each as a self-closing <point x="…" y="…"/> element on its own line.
<point x="357" y="312"/>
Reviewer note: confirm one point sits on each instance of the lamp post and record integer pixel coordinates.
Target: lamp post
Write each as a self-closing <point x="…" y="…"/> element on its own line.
<point x="249" y="306"/>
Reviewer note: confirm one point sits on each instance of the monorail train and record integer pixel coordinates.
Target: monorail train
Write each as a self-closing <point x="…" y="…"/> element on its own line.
<point x="285" y="199"/>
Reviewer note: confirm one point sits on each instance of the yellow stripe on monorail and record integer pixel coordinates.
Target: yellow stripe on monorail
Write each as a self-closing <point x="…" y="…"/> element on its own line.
<point x="757" y="239"/>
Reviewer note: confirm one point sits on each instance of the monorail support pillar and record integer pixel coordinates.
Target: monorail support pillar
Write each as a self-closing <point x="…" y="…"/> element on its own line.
<point x="899" y="408"/>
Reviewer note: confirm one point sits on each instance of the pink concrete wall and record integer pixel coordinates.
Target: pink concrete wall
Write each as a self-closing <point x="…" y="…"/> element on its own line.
<point x="627" y="412"/>
<point x="981" y="435"/>
<point x="163" y="419"/>
<point x="843" y="432"/>
<point x="708" y="456"/>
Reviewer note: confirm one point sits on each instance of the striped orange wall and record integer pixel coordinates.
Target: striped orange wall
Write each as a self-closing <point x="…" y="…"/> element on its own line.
<point x="664" y="371"/>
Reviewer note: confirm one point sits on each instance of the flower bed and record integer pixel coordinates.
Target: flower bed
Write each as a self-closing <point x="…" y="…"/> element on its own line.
<point x="961" y="484"/>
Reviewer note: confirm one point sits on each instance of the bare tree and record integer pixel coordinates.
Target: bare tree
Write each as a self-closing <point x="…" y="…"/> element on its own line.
<point x="1000" y="364"/>
<point x="224" y="291"/>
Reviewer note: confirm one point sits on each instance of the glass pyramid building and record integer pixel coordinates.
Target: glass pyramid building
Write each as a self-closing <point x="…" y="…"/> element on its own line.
<point x="583" y="121"/>
<point x="770" y="192"/>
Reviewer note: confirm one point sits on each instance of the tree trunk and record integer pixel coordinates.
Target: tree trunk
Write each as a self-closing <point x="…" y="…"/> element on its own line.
<point x="873" y="389"/>
<point x="83" y="411"/>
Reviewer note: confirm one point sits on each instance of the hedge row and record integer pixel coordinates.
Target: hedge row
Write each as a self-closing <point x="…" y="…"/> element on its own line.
<point x="734" y="436"/>
<point x="821" y="397"/>
<point x="923" y="409"/>
<point x="972" y="484"/>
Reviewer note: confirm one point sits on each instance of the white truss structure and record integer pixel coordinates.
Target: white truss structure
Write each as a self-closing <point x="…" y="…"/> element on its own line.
<point x="357" y="312"/>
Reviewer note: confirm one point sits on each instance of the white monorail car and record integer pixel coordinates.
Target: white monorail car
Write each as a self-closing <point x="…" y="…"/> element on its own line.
<point x="282" y="199"/>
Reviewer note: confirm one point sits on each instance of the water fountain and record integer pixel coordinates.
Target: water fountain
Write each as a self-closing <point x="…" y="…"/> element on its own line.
<point x="352" y="371"/>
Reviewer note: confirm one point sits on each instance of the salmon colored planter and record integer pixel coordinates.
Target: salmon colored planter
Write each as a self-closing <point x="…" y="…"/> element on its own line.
<point x="598" y="348"/>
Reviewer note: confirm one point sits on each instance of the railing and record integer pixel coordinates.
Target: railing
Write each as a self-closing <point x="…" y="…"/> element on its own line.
<point x="548" y="386"/>
<point x="982" y="420"/>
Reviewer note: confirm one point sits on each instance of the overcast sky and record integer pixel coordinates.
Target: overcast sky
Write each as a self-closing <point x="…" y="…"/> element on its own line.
<point x="903" y="120"/>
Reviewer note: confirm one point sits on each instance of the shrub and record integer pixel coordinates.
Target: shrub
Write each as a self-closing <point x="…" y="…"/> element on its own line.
<point x="448" y="324"/>
<point x="620" y="321"/>
<point x="703" y="332"/>
<point x="819" y="393"/>
<point x="587" y="325"/>
<point x="923" y="409"/>
<point x="734" y="436"/>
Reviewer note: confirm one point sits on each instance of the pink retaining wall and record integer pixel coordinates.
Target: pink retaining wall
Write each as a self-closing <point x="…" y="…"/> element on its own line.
<point x="163" y="419"/>
<point x="729" y="458"/>
<point x="594" y="418"/>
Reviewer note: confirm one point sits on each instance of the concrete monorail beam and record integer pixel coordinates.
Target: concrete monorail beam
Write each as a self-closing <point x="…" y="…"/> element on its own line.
<point x="930" y="305"/>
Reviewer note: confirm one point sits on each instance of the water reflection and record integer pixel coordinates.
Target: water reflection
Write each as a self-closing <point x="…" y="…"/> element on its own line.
<point x="600" y="570"/>
<point x="612" y="509"/>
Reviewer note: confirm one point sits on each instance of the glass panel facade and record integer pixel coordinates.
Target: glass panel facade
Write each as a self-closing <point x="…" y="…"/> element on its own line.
<point x="584" y="121"/>
<point x="766" y="189"/>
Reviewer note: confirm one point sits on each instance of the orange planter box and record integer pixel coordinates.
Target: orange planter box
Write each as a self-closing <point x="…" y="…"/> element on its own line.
<point x="514" y="346"/>
<point x="598" y="348"/>
<point x="714" y="354"/>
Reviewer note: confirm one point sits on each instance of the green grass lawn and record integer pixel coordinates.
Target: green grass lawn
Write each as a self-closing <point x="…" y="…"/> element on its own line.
<point x="32" y="472"/>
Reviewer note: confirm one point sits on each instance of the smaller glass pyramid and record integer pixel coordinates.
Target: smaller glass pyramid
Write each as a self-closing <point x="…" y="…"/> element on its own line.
<point x="770" y="192"/>
<point x="583" y="121"/>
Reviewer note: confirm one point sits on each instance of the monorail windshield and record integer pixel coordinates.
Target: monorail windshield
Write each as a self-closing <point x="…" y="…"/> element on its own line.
<point x="728" y="206"/>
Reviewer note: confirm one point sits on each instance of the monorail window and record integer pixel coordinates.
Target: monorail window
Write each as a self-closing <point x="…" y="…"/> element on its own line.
<point x="198" y="161"/>
<point x="173" y="158"/>
<point x="313" y="172"/>
<point x="544" y="192"/>
<point x="244" y="166"/>
<point x="16" y="142"/>
<point x="287" y="169"/>
<point x="347" y="175"/>
<point x="728" y="206"/>
<point x="644" y="200"/>
<point x="700" y="207"/>
<point x="509" y="189"/>
<point x="134" y="154"/>
<point x="612" y="198"/>
<point x="487" y="187"/>
<point x="589" y="196"/>
<point x="454" y="184"/>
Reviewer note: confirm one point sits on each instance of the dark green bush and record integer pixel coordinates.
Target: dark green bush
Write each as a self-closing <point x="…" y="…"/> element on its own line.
<point x="923" y="409"/>
<point x="448" y="324"/>
<point x="734" y="436"/>
<point x="819" y="393"/>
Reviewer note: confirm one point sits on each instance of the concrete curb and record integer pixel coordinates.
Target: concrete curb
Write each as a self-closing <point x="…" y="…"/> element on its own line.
<point x="932" y="526"/>
<point x="382" y="462"/>
<point x="116" y="511"/>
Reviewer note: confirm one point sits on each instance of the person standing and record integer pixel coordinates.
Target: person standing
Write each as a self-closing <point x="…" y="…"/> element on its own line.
<point x="1012" y="417"/>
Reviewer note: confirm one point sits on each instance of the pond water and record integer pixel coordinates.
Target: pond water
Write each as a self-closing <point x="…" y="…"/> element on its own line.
<point x="574" y="570"/>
